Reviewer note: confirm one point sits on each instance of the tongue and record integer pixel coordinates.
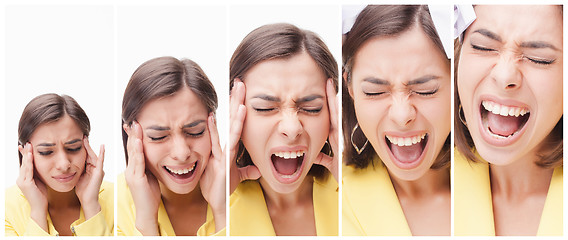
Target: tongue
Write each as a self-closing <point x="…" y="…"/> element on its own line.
<point x="285" y="166"/>
<point x="501" y="125"/>
<point x="406" y="154"/>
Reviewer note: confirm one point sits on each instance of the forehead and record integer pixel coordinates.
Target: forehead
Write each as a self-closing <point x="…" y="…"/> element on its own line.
<point x="297" y="73"/>
<point x="408" y="55"/>
<point x="183" y="105"/>
<point x="521" y="22"/>
<point x="61" y="130"/>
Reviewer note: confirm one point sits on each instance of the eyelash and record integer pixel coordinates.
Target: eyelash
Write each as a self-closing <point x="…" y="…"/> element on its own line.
<point x="373" y="94"/>
<point x="187" y="133"/>
<point x="265" y="110"/>
<point x="72" y="150"/>
<point x="536" y="61"/>
<point x="429" y="93"/>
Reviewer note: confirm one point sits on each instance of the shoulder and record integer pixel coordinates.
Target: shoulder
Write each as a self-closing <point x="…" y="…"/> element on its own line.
<point x="15" y="198"/>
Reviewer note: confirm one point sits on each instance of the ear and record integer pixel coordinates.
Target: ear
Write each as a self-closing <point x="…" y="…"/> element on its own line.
<point x="126" y="128"/>
<point x="349" y="88"/>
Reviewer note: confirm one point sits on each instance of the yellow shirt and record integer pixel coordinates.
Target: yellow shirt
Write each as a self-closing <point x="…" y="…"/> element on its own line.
<point x="19" y="223"/>
<point x="370" y="204"/>
<point x="473" y="206"/>
<point x="126" y="218"/>
<point x="249" y="214"/>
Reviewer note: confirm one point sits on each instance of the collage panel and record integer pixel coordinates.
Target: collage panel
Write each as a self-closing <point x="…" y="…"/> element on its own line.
<point x="284" y="158"/>
<point x="508" y="121"/>
<point x="171" y="75"/>
<point x="396" y="120"/>
<point x="59" y="74"/>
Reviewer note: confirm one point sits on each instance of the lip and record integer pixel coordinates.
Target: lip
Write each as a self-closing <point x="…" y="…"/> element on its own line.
<point x="64" y="177"/>
<point x="279" y="177"/>
<point x="500" y="142"/>
<point x="182" y="180"/>
<point x="407" y="165"/>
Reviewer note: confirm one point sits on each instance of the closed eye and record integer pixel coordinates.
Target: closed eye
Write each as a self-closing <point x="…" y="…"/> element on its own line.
<point x="74" y="149"/>
<point x="312" y="110"/>
<point x="540" y="61"/>
<point x="157" y="138"/>
<point x="480" y="48"/>
<point x="45" y="153"/>
<point x="370" y="94"/>
<point x="196" y="134"/>
<point x="263" y="109"/>
<point x="426" y="93"/>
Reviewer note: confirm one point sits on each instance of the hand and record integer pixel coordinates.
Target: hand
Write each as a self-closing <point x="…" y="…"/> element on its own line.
<point x="212" y="182"/>
<point x="89" y="184"/>
<point x="331" y="163"/>
<point x="33" y="189"/>
<point x="237" y="118"/>
<point x="143" y="185"/>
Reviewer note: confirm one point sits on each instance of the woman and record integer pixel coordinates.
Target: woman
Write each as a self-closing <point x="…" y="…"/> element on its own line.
<point x="279" y="126"/>
<point x="174" y="182"/>
<point x="60" y="189"/>
<point x="396" y="124"/>
<point x="509" y="127"/>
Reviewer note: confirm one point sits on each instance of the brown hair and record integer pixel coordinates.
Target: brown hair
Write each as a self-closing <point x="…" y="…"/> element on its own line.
<point x="162" y="77"/>
<point x="49" y="108"/>
<point x="381" y="21"/>
<point x="278" y="41"/>
<point x="550" y="154"/>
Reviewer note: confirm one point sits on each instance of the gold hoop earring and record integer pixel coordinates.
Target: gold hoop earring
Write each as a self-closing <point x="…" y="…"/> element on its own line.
<point x="460" y="113"/>
<point x="357" y="149"/>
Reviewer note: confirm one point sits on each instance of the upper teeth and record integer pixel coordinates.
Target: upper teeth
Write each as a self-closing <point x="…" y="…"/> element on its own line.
<point x="182" y="171"/>
<point x="503" y="110"/>
<point x="406" y="141"/>
<point x="288" y="155"/>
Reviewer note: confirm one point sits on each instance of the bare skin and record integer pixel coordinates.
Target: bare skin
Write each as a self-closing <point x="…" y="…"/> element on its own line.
<point x="297" y="205"/>
<point x="185" y="218"/>
<point x="426" y="203"/>
<point x="64" y="209"/>
<point x="519" y="191"/>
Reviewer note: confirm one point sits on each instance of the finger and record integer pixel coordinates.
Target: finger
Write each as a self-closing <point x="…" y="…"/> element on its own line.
<point x="237" y="127"/>
<point x="249" y="172"/>
<point x="332" y="104"/>
<point x="101" y="158"/>
<point x="91" y="156"/>
<point x="138" y="158"/>
<point x="24" y="160"/>
<point x="237" y="97"/>
<point x="214" y="134"/>
<point x="30" y="163"/>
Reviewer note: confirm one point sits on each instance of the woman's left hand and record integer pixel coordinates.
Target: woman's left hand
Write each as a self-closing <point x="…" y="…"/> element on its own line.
<point x="331" y="163"/>
<point x="213" y="180"/>
<point x="89" y="184"/>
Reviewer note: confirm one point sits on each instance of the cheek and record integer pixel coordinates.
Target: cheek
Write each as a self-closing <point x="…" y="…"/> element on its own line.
<point x="202" y="146"/>
<point x="154" y="152"/>
<point x="368" y="114"/>
<point x="256" y="131"/>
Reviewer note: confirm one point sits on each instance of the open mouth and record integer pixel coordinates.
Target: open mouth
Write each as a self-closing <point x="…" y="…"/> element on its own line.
<point x="407" y="150"/>
<point x="501" y="121"/>
<point x="182" y="173"/>
<point x="288" y="165"/>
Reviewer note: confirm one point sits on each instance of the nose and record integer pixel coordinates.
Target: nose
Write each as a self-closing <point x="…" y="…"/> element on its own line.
<point x="506" y="73"/>
<point x="402" y="111"/>
<point x="290" y="125"/>
<point x="180" y="148"/>
<point x="63" y="162"/>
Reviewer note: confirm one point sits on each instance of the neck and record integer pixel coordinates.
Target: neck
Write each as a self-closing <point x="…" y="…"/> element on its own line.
<point x="434" y="181"/>
<point x="174" y="199"/>
<point x="62" y="199"/>
<point x="520" y="178"/>
<point x="303" y="193"/>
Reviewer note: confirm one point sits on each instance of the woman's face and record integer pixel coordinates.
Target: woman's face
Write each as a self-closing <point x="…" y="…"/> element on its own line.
<point x="176" y="140"/>
<point x="287" y="119"/>
<point x="401" y="91"/>
<point x="510" y="79"/>
<point x="59" y="154"/>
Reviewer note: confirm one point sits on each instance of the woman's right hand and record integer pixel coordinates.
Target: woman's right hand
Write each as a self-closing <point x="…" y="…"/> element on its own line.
<point x="33" y="189"/>
<point x="143" y="184"/>
<point x="237" y="119"/>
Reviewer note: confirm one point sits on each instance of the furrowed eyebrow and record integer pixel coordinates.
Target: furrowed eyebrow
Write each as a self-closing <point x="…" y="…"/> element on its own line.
<point x="157" y="128"/>
<point x="376" y="81"/>
<point x="267" y="98"/>
<point x="46" y="145"/>
<point x="72" y="141"/>
<point x="309" y="98"/>
<point x="538" y="44"/>
<point x="193" y="124"/>
<point x="488" y="34"/>
<point x="422" y="80"/>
